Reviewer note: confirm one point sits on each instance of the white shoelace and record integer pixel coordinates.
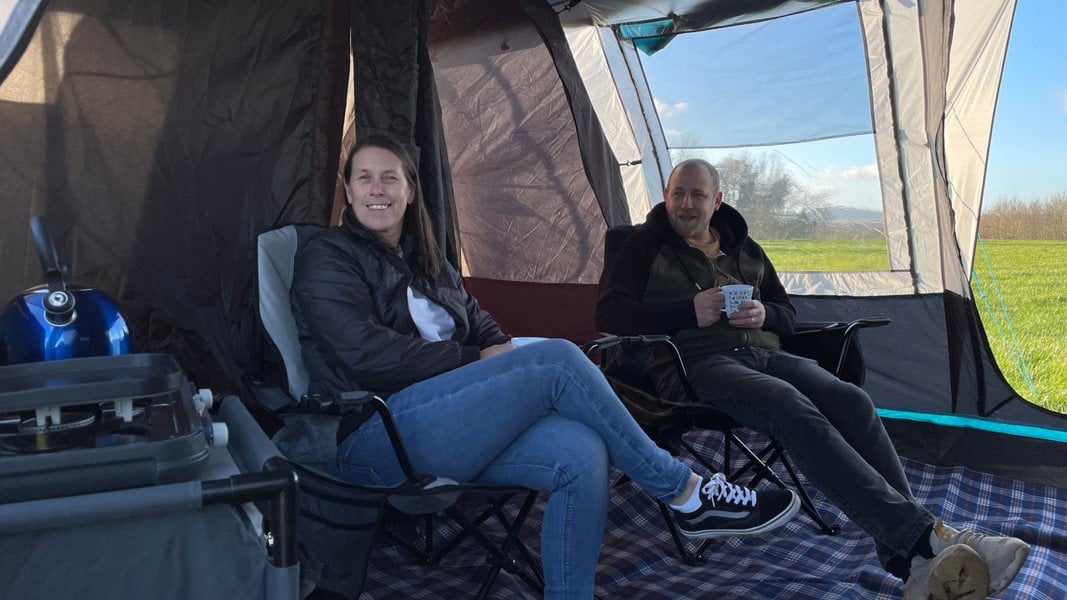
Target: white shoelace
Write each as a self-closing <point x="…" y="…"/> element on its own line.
<point x="719" y="490"/>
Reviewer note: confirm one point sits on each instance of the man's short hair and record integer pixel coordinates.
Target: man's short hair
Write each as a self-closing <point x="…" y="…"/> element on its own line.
<point x="698" y="161"/>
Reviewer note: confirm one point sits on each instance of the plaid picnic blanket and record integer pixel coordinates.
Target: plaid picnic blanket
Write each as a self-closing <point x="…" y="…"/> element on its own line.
<point x="638" y="560"/>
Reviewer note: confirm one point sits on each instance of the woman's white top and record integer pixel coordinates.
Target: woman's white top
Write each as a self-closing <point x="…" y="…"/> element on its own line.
<point x="433" y="321"/>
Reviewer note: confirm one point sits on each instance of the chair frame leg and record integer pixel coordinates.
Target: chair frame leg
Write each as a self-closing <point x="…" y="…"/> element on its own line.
<point x="499" y="556"/>
<point x="693" y="558"/>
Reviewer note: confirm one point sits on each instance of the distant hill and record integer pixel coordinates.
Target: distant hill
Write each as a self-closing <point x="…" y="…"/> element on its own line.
<point x="846" y="214"/>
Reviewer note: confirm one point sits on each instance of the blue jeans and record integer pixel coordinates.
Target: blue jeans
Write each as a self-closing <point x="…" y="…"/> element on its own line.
<point x="829" y="428"/>
<point x="540" y="416"/>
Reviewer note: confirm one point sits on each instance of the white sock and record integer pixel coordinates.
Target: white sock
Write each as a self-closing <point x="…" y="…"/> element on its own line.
<point x="693" y="501"/>
<point x="942" y="536"/>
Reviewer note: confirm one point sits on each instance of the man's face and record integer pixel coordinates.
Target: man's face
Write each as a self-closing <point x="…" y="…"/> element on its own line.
<point x="692" y="198"/>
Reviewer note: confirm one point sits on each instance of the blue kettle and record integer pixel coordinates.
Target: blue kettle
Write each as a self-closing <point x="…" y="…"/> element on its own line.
<point x="56" y="321"/>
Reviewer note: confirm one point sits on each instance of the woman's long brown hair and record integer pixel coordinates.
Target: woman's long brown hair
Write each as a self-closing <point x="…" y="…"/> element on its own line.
<point x="416" y="218"/>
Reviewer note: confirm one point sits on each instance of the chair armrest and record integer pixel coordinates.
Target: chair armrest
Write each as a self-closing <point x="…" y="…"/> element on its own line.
<point x="808" y="339"/>
<point x="811" y="326"/>
<point x="803" y="327"/>
<point x="603" y="343"/>
<point x="609" y="341"/>
<point x="347" y="402"/>
<point x="334" y="404"/>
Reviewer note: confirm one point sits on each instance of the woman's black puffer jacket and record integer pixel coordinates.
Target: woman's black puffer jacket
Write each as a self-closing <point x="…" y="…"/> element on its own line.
<point x="349" y="298"/>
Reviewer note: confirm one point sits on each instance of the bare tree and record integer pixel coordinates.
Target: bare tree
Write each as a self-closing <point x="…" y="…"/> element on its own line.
<point x="1014" y="219"/>
<point x="766" y="192"/>
<point x="760" y="185"/>
<point x="684" y="147"/>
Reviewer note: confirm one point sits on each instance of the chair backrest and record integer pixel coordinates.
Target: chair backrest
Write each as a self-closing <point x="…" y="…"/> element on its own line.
<point x="276" y="254"/>
<point x="338" y="520"/>
<point x="613" y="239"/>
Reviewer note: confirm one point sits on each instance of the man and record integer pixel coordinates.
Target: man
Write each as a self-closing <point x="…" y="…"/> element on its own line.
<point x="666" y="279"/>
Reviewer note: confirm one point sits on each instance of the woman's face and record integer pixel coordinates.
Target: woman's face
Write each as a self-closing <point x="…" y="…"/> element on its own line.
<point x="379" y="193"/>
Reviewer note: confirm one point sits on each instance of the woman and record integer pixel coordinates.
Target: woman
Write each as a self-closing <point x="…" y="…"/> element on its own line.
<point x="379" y="309"/>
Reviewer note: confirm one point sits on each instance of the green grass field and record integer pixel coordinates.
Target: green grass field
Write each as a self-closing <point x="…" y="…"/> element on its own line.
<point x="1027" y="292"/>
<point x="828" y="255"/>
<point x="1022" y="301"/>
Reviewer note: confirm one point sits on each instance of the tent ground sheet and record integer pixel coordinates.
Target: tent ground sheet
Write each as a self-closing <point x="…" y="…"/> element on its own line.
<point x="638" y="559"/>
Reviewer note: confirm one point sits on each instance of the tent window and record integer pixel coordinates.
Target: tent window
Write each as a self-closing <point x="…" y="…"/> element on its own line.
<point x="1019" y="277"/>
<point x="783" y="108"/>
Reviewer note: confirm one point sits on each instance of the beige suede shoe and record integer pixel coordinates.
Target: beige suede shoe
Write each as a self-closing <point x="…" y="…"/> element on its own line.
<point x="1003" y="555"/>
<point x="956" y="573"/>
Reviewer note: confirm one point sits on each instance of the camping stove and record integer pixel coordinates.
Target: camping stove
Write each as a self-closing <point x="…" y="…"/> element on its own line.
<point x="86" y="425"/>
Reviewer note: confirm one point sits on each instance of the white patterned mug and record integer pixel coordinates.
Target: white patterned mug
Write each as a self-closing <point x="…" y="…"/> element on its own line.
<point x="735" y="294"/>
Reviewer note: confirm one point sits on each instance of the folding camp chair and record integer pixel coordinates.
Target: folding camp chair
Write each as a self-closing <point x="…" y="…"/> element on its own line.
<point x="624" y="361"/>
<point x="337" y="521"/>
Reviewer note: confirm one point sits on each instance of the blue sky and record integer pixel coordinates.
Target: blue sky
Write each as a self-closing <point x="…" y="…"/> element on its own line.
<point x="1028" y="153"/>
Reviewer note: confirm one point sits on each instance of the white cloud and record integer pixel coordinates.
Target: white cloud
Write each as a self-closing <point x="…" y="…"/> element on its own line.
<point x="669" y="110"/>
<point x="1063" y="102"/>
<point x="864" y="173"/>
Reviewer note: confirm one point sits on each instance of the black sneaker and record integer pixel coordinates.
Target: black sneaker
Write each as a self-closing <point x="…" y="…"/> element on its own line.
<point x="727" y="510"/>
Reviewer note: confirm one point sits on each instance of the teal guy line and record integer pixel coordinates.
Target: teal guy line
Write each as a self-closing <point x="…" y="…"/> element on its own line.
<point x="1017" y="429"/>
<point x="1012" y="346"/>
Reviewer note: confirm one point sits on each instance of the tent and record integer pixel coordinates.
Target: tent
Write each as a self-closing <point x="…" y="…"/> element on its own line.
<point x="159" y="138"/>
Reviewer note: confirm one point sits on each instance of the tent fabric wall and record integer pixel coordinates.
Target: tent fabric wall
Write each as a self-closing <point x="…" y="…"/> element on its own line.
<point x="640" y="171"/>
<point x="601" y="165"/>
<point x="978" y="48"/>
<point x="527" y="208"/>
<point x="957" y="375"/>
<point x="932" y="363"/>
<point x="396" y="95"/>
<point x="157" y="143"/>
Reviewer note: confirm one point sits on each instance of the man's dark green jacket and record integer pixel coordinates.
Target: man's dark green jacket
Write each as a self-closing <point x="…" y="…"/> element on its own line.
<point x="647" y="287"/>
